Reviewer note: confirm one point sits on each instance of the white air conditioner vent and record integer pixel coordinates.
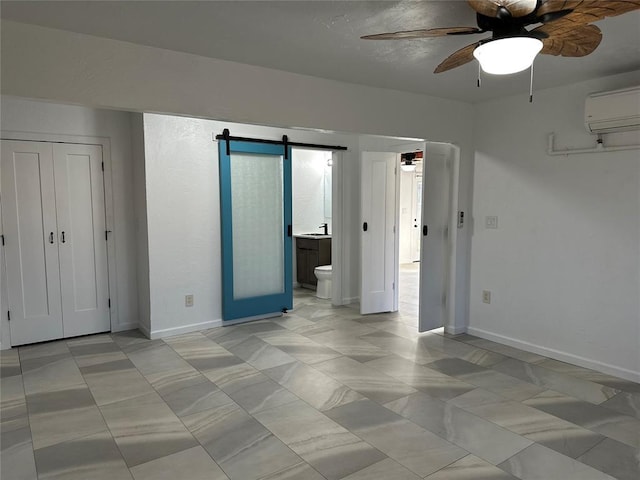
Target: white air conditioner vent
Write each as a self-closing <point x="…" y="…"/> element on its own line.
<point x="615" y="111"/>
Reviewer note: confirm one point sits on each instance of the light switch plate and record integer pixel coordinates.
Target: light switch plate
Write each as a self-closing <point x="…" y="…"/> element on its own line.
<point x="491" y="221"/>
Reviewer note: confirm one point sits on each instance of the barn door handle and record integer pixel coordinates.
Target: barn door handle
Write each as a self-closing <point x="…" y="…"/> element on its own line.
<point x="51" y="237"/>
<point x="365" y="226"/>
<point x="62" y="237"/>
<point x="425" y="230"/>
<point x="289" y="231"/>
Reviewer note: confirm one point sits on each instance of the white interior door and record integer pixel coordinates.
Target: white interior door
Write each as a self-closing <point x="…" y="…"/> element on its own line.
<point x="434" y="250"/>
<point x="81" y="234"/>
<point x="416" y="216"/>
<point x="378" y="212"/>
<point x="29" y="216"/>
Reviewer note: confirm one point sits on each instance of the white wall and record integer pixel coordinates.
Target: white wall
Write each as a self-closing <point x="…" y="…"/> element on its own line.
<point x="308" y="176"/>
<point x="39" y="118"/>
<point x="183" y="213"/>
<point x="74" y="68"/>
<point x="563" y="267"/>
<point x="141" y="227"/>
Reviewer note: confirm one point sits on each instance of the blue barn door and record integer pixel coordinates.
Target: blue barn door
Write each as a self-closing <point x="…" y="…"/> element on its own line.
<point x="255" y="204"/>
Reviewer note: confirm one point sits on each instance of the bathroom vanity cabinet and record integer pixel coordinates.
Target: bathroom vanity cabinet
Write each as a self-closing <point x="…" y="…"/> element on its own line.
<point x="310" y="253"/>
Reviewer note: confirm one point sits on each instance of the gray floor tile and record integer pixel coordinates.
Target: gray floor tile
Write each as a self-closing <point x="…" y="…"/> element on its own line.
<point x="471" y="468"/>
<point x="145" y="428"/>
<point x="196" y="398"/>
<point x="325" y="445"/>
<point x="420" y="377"/>
<point x="95" y="457"/>
<point x="243" y="448"/>
<point x="600" y="419"/>
<point x="365" y="380"/>
<point x="16" y="455"/>
<point x="476" y="435"/>
<point x="9" y="363"/>
<point x="193" y="463"/>
<point x="322" y="393"/>
<point x="540" y="463"/>
<point x="578" y="388"/>
<point x="617" y="459"/>
<point x="624" y="402"/>
<point x="543" y="428"/>
<point x="386" y="469"/>
<point x="110" y="385"/>
<point x="312" y="386"/>
<point x="260" y="354"/>
<point x="262" y="395"/>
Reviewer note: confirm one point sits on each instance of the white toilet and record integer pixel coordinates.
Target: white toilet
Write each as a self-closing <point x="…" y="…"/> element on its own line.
<point x="323" y="274"/>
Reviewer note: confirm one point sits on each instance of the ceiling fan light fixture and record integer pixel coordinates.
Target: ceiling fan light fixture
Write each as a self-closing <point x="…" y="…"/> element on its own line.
<point x="507" y="55"/>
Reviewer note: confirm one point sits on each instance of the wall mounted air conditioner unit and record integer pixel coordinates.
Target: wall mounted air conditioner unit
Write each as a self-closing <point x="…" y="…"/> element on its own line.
<point x="616" y="111"/>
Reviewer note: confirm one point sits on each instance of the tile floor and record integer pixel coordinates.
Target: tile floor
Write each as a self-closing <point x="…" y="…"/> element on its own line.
<point x="321" y="393"/>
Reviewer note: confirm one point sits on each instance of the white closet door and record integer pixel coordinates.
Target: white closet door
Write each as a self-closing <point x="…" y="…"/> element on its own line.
<point x="29" y="217"/>
<point x="378" y="210"/>
<point x="81" y="236"/>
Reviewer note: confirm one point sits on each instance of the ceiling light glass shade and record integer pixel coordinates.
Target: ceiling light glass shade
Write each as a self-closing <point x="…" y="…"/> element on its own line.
<point x="408" y="167"/>
<point x="507" y="55"/>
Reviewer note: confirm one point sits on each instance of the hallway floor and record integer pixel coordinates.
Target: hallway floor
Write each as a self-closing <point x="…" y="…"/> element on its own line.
<point x="320" y="393"/>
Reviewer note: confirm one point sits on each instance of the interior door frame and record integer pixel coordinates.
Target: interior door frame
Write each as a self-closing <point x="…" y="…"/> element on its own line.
<point x="453" y="180"/>
<point x="105" y="143"/>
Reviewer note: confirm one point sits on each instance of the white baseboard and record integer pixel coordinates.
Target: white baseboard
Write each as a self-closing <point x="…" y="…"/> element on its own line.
<point x="350" y="300"/>
<point x="453" y="330"/>
<point x="5" y="347"/>
<point x="558" y="355"/>
<point x="144" y="330"/>
<point x="123" y="327"/>
<point x="194" y="327"/>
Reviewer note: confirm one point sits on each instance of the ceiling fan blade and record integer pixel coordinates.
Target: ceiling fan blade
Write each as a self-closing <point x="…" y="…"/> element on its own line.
<point x="570" y="41"/>
<point x="587" y="11"/>
<point x="517" y="8"/>
<point x="425" y="33"/>
<point x="457" y="58"/>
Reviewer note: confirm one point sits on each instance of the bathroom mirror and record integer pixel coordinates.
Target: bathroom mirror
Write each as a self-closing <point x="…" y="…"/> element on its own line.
<point x="327" y="191"/>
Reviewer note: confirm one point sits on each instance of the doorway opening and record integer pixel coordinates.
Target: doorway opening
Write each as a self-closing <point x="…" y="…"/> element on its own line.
<point x="409" y="221"/>
<point x="313" y="233"/>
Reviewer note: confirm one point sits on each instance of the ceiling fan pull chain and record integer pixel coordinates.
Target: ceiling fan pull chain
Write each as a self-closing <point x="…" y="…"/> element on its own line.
<point x="531" y="86"/>
<point x="479" y="71"/>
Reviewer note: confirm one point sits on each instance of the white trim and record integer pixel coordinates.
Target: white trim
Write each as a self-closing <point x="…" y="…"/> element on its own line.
<point x="558" y="355"/>
<point x="454" y="186"/>
<point x="105" y="143"/>
<point x="454" y="330"/>
<point x="337" y="235"/>
<point x="124" y="327"/>
<point x="350" y="300"/>
<point x="169" y="332"/>
<point x="5" y="347"/>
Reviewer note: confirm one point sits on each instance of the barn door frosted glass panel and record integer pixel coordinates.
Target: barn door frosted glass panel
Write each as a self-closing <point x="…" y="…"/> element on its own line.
<point x="255" y="196"/>
<point x="258" y="225"/>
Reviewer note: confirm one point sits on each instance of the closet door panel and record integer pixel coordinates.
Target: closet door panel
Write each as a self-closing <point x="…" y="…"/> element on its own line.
<point x="29" y="226"/>
<point x="81" y="233"/>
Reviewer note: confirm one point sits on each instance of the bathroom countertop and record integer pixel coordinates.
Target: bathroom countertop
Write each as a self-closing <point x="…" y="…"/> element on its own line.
<point x="310" y="236"/>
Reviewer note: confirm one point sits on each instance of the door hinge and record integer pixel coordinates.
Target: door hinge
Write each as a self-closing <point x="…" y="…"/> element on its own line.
<point x="393" y="286"/>
<point x="9" y="315"/>
<point x="102" y="164"/>
<point x="109" y="301"/>
<point x="2" y="239"/>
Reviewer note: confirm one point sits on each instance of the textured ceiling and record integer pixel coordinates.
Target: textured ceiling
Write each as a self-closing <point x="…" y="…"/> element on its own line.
<point x="321" y="38"/>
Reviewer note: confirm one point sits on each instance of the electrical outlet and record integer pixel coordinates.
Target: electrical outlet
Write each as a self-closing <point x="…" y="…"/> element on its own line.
<point x="188" y="300"/>
<point x="491" y="221"/>
<point x="486" y="296"/>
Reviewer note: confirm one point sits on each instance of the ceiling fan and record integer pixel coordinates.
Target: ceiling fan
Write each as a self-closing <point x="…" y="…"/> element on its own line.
<point x="565" y="31"/>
